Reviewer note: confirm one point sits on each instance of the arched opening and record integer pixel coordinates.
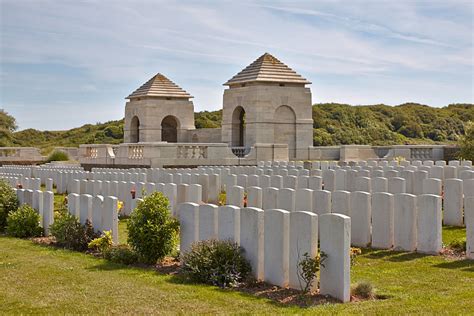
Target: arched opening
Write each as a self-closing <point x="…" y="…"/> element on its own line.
<point x="135" y="130"/>
<point x="238" y="127"/>
<point x="169" y="129"/>
<point x="284" y="131"/>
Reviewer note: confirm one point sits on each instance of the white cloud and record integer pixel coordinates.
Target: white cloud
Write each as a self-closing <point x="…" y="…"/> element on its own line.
<point x="106" y="49"/>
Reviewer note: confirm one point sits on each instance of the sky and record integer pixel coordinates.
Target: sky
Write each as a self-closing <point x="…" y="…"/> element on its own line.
<point x="65" y="63"/>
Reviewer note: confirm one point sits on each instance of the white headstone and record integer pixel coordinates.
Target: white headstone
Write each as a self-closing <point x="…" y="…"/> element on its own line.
<point x="382" y="220"/>
<point x="276" y="246"/>
<point x="405" y="214"/>
<point x="252" y="239"/>
<point x="429" y="227"/>
<point x="335" y="275"/>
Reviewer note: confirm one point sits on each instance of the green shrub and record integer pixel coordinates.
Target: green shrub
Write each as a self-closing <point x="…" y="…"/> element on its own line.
<point x="24" y="222"/>
<point x="71" y="234"/>
<point x="8" y="202"/>
<point x="103" y="243"/>
<point x="122" y="254"/>
<point x="58" y="155"/>
<point x="363" y="290"/>
<point x="308" y="268"/>
<point x="466" y="142"/>
<point x="152" y="231"/>
<point x="216" y="262"/>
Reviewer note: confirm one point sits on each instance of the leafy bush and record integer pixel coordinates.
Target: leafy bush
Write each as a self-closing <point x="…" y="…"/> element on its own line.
<point x="308" y="268"/>
<point x="71" y="234"/>
<point x="152" y="231"/>
<point x="216" y="262"/>
<point x="363" y="290"/>
<point x="103" y="243"/>
<point x="58" y="155"/>
<point x="122" y="254"/>
<point x="8" y="202"/>
<point x="24" y="222"/>
<point x="466" y="142"/>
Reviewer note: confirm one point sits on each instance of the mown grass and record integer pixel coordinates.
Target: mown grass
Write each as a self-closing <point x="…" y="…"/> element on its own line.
<point x="41" y="279"/>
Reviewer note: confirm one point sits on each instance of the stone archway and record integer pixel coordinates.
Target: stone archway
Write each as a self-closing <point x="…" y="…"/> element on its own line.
<point x="238" y="127"/>
<point x="169" y="129"/>
<point x="135" y="130"/>
<point x="284" y="131"/>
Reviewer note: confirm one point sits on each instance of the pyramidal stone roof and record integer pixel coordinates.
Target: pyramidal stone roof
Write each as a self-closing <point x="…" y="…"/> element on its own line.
<point x="159" y="86"/>
<point x="267" y="69"/>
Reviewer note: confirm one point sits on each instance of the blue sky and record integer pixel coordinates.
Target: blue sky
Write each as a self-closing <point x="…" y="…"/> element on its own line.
<point x="65" y="63"/>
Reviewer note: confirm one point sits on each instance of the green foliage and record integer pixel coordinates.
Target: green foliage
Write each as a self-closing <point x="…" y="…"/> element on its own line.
<point x="364" y="289"/>
<point x="58" y="155"/>
<point x="216" y="262"/>
<point x="7" y="127"/>
<point x="8" y="202"/>
<point x="100" y="133"/>
<point x="152" y="231"/>
<point x="24" y="222"/>
<point x="466" y="142"/>
<point x="102" y="243"/>
<point x="333" y="124"/>
<point x="71" y="234"/>
<point x="308" y="268"/>
<point x="207" y="119"/>
<point x="122" y="254"/>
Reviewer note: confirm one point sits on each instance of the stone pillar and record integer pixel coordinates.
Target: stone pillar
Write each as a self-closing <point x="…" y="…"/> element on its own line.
<point x="429" y="227"/>
<point x="335" y="276"/>
<point x="252" y="238"/>
<point x="276" y="247"/>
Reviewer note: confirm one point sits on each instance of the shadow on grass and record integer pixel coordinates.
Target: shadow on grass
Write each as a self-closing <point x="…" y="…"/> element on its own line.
<point x="392" y="255"/>
<point x="464" y="265"/>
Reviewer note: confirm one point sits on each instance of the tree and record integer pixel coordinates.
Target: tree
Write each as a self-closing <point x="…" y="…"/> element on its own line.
<point x="466" y="142"/>
<point x="7" y="127"/>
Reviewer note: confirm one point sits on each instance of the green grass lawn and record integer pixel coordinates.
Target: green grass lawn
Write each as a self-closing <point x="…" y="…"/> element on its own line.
<point x="41" y="279"/>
